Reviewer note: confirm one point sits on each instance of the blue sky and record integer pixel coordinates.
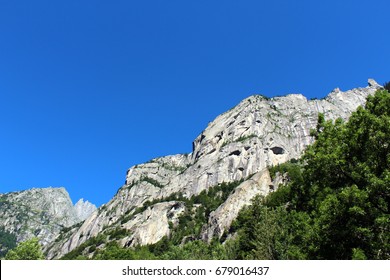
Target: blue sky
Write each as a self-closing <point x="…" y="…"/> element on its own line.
<point x="90" y="88"/>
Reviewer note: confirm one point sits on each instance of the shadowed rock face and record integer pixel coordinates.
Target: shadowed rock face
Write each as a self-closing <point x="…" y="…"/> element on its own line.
<point x="259" y="132"/>
<point x="41" y="212"/>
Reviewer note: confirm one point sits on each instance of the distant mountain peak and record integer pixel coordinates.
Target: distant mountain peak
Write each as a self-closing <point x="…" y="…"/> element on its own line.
<point x="84" y="209"/>
<point x="41" y="212"/>
<point x="239" y="144"/>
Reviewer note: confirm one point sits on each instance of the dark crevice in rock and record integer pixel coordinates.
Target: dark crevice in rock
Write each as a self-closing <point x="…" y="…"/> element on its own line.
<point x="235" y="153"/>
<point x="277" y="150"/>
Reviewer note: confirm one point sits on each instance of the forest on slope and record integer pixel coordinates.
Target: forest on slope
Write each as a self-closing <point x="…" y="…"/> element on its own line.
<point x="334" y="206"/>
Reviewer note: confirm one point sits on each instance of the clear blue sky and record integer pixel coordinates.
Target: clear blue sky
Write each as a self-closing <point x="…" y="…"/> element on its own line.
<point x="90" y="88"/>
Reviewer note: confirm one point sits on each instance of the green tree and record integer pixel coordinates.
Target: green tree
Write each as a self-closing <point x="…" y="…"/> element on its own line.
<point x="7" y="241"/>
<point x="27" y="250"/>
<point x="272" y="232"/>
<point x="336" y="205"/>
<point x="387" y="86"/>
<point x="196" y="250"/>
<point x="348" y="183"/>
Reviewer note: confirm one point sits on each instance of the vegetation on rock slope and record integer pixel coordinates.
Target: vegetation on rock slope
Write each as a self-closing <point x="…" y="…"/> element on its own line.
<point x="27" y="250"/>
<point x="7" y="241"/>
<point x="186" y="231"/>
<point x="335" y="205"/>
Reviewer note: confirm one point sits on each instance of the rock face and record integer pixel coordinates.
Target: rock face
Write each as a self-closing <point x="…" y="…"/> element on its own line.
<point x="151" y="225"/>
<point x="222" y="218"/>
<point x="259" y="132"/>
<point x="84" y="209"/>
<point x="40" y="212"/>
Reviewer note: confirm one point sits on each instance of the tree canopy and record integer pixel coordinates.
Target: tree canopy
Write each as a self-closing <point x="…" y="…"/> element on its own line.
<point x="340" y="210"/>
<point x="335" y="205"/>
<point x="7" y="241"/>
<point x="27" y="250"/>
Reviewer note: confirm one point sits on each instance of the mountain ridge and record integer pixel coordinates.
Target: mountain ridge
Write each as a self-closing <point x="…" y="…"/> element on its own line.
<point x="41" y="212"/>
<point x="239" y="145"/>
<point x="243" y="142"/>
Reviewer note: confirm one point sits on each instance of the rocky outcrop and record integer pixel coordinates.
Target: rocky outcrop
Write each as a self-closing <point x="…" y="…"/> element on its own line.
<point x="84" y="209"/>
<point x="259" y="132"/>
<point x="151" y="225"/>
<point x="40" y="212"/>
<point x="221" y="219"/>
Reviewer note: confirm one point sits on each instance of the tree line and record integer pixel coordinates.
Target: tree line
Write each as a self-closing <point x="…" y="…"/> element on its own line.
<point x="334" y="206"/>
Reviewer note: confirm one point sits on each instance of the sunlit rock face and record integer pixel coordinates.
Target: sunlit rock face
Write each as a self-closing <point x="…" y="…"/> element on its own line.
<point x="242" y="142"/>
<point x="41" y="212"/>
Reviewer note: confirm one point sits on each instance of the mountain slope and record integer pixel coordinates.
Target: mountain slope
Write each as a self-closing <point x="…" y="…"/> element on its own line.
<point x="238" y="145"/>
<point x="40" y="212"/>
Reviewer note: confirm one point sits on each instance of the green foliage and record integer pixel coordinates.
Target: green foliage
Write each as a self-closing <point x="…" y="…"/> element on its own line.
<point x="196" y="250"/>
<point x="193" y="250"/>
<point x="358" y="254"/>
<point x="118" y="233"/>
<point x="239" y="139"/>
<point x="7" y="241"/>
<point x="92" y="249"/>
<point x="115" y="252"/>
<point x="244" y="138"/>
<point x="27" y="250"/>
<point x="198" y="209"/>
<point x="184" y="235"/>
<point x="336" y="205"/>
<point x="271" y="233"/>
<point x="173" y="167"/>
<point x="292" y="168"/>
<point x="387" y="86"/>
<point x="80" y="250"/>
<point x="152" y="181"/>
<point x="347" y="183"/>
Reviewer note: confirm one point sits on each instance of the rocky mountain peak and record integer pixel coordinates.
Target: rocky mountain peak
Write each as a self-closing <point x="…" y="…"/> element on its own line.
<point x="373" y="83"/>
<point x="240" y="144"/>
<point x="84" y="209"/>
<point x="41" y="212"/>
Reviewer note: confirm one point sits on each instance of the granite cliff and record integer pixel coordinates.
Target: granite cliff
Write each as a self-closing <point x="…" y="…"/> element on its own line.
<point x="238" y="145"/>
<point x="41" y="212"/>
